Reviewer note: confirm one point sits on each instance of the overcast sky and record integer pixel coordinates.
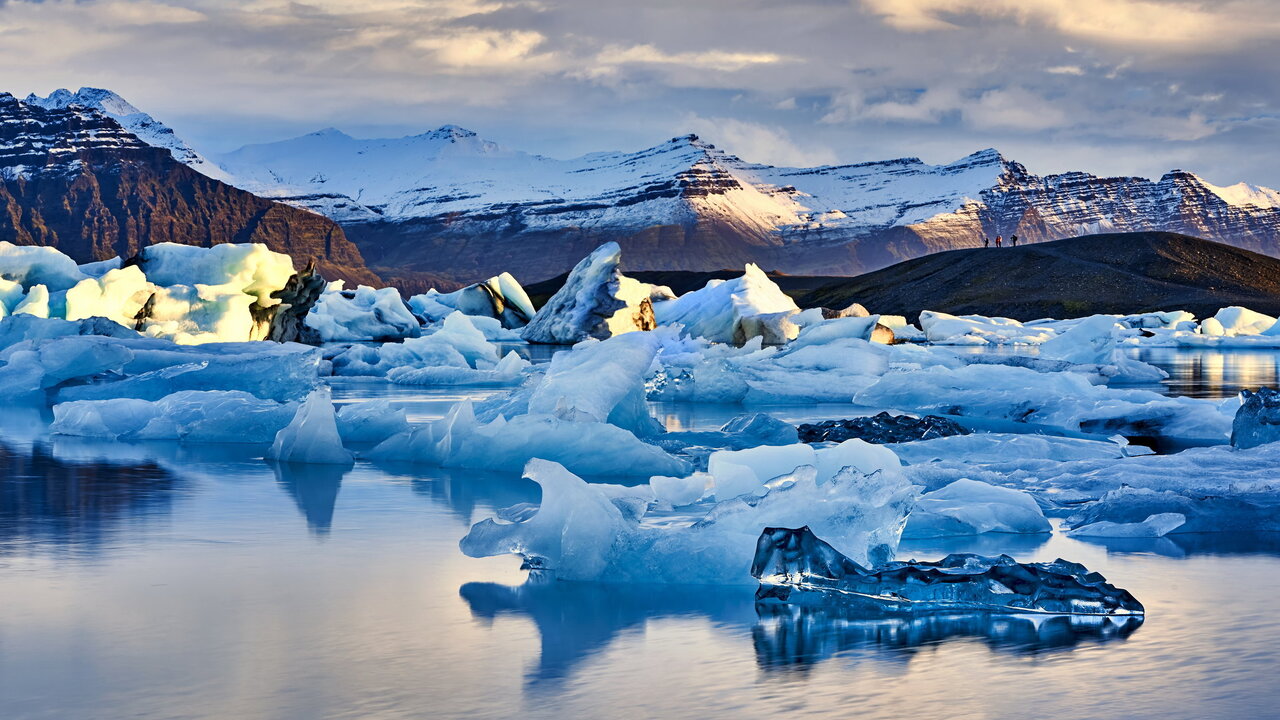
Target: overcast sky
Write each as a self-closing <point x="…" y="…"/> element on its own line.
<point x="1132" y="87"/>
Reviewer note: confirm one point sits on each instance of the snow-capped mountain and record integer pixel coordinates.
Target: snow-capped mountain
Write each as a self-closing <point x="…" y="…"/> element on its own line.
<point x="138" y="123"/>
<point x="448" y="201"/>
<point x="72" y="178"/>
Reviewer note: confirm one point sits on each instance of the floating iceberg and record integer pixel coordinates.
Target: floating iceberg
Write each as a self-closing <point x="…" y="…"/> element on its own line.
<point x="371" y="421"/>
<point x="455" y="343"/>
<point x="882" y="428"/>
<point x="361" y="314"/>
<point x="214" y="416"/>
<point x="796" y="567"/>
<point x="1058" y="399"/>
<point x="943" y="329"/>
<point x="1257" y="422"/>
<point x="312" y="436"/>
<point x="590" y="448"/>
<point x="1236" y="320"/>
<point x="734" y="311"/>
<point x="597" y="301"/>
<point x="969" y="507"/>
<point x="500" y="297"/>
<point x="1093" y="341"/>
<point x="602" y="533"/>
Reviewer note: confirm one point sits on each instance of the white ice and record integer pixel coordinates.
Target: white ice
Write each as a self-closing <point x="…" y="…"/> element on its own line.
<point x="969" y="507"/>
<point x="602" y="533"/>
<point x="312" y="436"/>
<point x="361" y="314"/>
<point x="733" y="311"/>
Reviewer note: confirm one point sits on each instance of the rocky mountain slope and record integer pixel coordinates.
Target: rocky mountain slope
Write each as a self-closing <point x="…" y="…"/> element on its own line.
<point x="1106" y="273"/>
<point x="451" y="203"/>
<point x="72" y="177"/>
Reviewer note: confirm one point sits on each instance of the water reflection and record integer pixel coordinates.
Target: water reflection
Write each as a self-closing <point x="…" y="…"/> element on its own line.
<point x="578" y="620"/>
<point x="315" y="490"/>
<point x="465" y="491"/>
<point x="791" y="638"/>
<point x="48" y="501"/>
<point x="1185" y="545"/>
<point x="1214" y="373"/>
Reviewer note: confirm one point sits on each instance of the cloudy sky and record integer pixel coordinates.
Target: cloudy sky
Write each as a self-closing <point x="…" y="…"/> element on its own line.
<point x="1110" y="86"/>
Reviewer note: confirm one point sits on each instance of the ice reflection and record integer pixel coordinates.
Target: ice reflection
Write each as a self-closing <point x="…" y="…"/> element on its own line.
<point x="315" y="490"/>
<point x="48" y="501"/>
<point x="793" y="638"/>
<point x="1184" y="545"/>
<point x="576" y="621"/>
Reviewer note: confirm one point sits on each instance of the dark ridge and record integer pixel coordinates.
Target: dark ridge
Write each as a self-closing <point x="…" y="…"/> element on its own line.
<point x="1117" y="273"/>
<point x="683" y="281"/>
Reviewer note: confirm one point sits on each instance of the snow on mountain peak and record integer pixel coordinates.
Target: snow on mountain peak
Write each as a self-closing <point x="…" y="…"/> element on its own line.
<point x="146" y="128"/>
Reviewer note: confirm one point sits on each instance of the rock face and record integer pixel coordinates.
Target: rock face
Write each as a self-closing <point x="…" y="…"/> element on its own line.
<point x="450" y="202"/>
<point x="74" y="179"/>
<point x="1257" y="422"/>
<point x="880" y="429"/>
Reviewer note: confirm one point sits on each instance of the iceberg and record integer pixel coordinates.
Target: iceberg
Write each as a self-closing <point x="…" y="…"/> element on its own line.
<point x="500" y="297"/>
<point x="1236" y="320"/>
<point x="593" y="532"/>
<point x="881" y="429"/>
<point x="31" y="265"/>
<point x="734" y="311"/>
<point x="312" y="436"/>
<point x="1092" y="341"/>
<point x="213" y="416"/>
<point x="589" y="448"/>
<point x="969" y="507"/>
<point x="795" y="566"/>
<point x="1257" y="422"/>
<point x="371" y="421"/>
<point x="455" y="343"/>
<point x="1064" y="400"/>
<point x="597" y="301"/>
<point x="944" y="329"/>
<point x="361" y="314"/>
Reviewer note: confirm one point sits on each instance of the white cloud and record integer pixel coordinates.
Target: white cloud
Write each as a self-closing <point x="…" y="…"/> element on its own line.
<point x="1178" y="26"/>
<point x="756" y="142"/>
<point x="1013" y="109"/>
<point x="1065" y="70"/>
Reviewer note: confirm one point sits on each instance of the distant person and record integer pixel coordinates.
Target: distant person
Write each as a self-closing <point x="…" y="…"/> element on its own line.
<point x="986" y="242"/>
<point x="1013" y="240"/>
<point x="999" y="240"/>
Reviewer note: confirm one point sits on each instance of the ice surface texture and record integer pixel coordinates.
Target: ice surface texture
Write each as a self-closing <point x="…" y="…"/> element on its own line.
<point x="605" y="533"/>
<point x="796" y="566"/>
<point x="597" y="301"/>
<point x="312" y="436"/>
<point x="1258" y="420"/>
<point x="881" y="428"/>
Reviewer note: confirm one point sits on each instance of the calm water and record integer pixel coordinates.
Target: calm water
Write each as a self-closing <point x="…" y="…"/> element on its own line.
<point x="166" y="581"/>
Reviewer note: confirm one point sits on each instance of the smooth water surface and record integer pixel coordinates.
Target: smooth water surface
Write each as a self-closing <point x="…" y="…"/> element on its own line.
<point x="169" y="581"/>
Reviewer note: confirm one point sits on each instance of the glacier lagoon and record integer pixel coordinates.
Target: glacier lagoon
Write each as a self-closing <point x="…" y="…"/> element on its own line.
<point x="167" y="580"/>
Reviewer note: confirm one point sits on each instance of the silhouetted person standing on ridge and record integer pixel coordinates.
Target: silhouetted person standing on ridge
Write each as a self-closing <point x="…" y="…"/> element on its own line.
<point x="999" y="240"/>
<point x="986" y="241"/>
<point x="1013" y="240"/>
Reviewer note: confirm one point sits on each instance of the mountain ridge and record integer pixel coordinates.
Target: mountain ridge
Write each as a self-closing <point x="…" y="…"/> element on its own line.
<point x="1117" y="273"/>
<point x="73" y="178"/>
